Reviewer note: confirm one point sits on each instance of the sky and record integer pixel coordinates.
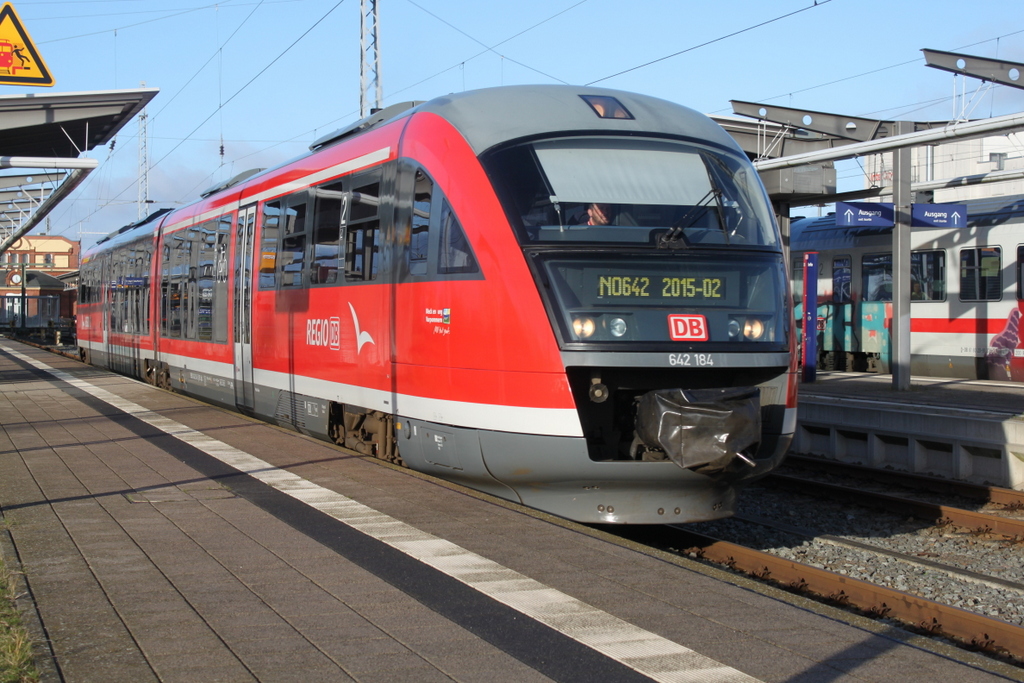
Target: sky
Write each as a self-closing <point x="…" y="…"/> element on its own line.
<point x="264" y="79"/>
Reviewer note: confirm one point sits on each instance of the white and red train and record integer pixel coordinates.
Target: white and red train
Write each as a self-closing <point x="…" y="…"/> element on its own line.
<point x="521" y="289"/>
<point x="967" y="293"/>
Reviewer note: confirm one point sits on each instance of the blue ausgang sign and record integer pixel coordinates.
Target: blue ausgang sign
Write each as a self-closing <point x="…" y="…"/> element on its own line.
<point x="938" y="216"/>
<point x="864" y="215"/>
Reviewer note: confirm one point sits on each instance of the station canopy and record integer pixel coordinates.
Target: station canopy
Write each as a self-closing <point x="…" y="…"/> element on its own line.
<point x="42" y="138"/>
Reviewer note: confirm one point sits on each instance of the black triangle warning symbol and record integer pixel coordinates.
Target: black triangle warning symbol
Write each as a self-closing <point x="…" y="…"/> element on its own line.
<point x="20" y="62"/>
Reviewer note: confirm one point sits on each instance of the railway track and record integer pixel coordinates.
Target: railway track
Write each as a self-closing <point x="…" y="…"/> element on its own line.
<point x="979" y="522"/>
<point x="990" y="496"/>
<point x="971" y="629"/>
<point x="933" y="566"/>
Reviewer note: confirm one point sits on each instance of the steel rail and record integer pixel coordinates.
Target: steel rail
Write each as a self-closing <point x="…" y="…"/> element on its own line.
<point x="991" y="494"/>
<point x="975" y="629"/>
<point x="949" y="570"/>
<point x="976" y="521"/>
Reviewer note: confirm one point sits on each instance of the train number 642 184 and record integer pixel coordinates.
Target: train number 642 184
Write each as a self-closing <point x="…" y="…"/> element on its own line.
<point x="691" y="360"/>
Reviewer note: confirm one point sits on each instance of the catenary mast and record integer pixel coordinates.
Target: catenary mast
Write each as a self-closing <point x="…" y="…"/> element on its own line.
<point x="369" y="65"/>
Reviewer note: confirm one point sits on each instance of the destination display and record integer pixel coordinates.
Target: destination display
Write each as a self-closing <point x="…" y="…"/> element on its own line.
<point x="644" y="285"/>
<point x="661" y="287"/>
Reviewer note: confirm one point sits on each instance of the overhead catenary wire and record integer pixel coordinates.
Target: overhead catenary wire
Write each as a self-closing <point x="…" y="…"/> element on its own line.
<point x="112" y="153"/>
<point x="234" y="95"/>
<point x="247" y="153"/>
<point x="817" y="3"/>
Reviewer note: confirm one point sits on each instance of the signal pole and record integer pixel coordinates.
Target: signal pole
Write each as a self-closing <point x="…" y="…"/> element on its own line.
<point x="369" y="64"/>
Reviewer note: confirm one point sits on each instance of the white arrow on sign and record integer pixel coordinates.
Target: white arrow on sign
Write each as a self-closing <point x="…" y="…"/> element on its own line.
<point x="849" y="215"/>
<point x="956" y="217"/>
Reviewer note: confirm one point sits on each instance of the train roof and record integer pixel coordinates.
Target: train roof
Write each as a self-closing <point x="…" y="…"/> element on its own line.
<point x="489" y="117"/>
<point x="823" y="233"/>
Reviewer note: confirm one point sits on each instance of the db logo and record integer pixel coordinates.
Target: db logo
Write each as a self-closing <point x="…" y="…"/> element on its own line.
<point x="688" y="328"/>
<point x="324" y="332"/>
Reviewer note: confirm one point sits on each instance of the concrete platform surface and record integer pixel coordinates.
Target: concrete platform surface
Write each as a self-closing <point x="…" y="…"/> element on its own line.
<point x="968" y="430"/>
<point x="998" y="398"/>
<point x="165" y="540"/>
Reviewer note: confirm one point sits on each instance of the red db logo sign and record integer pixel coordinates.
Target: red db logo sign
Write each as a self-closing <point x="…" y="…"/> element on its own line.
<point x="687" y="328"/>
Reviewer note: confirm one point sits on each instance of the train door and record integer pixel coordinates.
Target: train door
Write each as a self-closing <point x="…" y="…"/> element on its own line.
<point x="244" y="230"/>
<point x="107" y="297"/>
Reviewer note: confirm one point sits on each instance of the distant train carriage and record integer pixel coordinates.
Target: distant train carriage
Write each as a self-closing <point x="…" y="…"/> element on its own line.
<point x="571" y="298"/>
<point x="966" y="293"/>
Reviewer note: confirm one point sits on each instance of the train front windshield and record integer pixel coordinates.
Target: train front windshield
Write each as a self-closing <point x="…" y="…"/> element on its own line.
<point x="640" y="240"/>
<point x="627" y="191"/>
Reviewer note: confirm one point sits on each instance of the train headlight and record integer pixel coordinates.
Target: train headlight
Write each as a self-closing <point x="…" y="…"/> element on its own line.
<point x="617" y="326"/>
<point x="751" y="328"/>
<point x="583" y="327"/>
<point x="754" y="329"/>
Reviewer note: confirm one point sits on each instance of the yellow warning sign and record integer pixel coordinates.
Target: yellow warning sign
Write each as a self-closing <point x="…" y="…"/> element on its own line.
<point x="20" y="62"/>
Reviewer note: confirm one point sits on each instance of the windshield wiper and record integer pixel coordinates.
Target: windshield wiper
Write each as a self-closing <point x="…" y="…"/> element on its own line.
<point x="670" y="240"/>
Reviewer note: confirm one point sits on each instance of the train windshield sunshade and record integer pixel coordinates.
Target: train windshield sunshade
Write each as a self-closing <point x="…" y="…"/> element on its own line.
<point x="647" y="173"/>
<point x="615" y="190"/>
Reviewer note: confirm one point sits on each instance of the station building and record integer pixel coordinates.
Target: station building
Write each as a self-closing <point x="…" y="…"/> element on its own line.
<point x="994" y="157"/>
<point x="37" y="276"/>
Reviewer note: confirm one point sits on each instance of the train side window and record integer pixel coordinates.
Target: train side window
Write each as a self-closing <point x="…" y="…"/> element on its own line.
<point x="928" y="276"/>
<point x="207" y="259"/>
<point x="220" y="287"/>
<point x="189" y="286"/>
<point x="175" y="289"/>
<point x="419" y="238"/>
<point x="1020" y="273"/>
<point x="328" y="227"/>
<point x="876" y="277"/>
<point x="293" y="242"/>
<point x="980" y="270"/>
<point x="362" y="233"/>
<point x="842" y="280"/>
<point x="456" y="255"/>
<point x="268" y="245"/>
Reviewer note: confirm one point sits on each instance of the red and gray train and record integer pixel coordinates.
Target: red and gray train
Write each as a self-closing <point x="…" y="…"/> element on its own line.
<point x="571" y="298"/>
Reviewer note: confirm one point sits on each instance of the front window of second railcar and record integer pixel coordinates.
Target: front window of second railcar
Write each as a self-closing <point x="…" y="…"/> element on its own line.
<point x="630" y="191"/>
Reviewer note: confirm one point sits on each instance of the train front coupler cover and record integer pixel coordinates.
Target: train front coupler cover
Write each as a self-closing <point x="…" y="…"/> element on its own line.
<point x="711" y="431"/>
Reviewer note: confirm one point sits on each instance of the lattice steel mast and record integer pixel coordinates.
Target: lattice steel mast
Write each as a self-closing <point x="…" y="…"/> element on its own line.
<point x="369" y="64"/>
<point x="143" y="203"/>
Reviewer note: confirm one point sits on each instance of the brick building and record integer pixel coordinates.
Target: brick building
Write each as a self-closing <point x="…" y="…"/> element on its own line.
<point x="31" y="267"/>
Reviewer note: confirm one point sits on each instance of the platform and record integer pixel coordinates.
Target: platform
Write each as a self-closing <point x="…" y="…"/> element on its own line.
<point x="163" y="539"/>
<point x="970" y="430"/>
